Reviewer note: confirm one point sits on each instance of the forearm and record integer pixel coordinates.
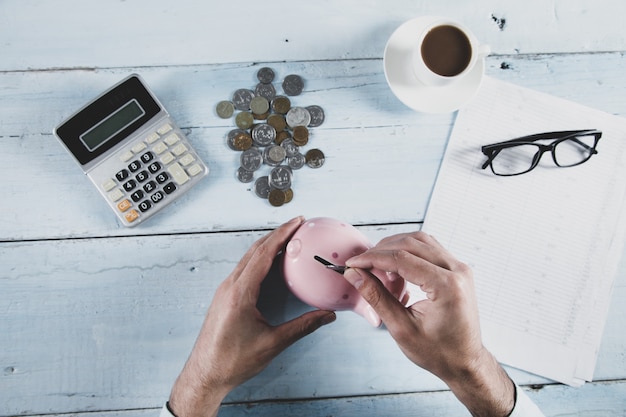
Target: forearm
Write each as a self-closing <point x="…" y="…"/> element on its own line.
<point x="190" y="398"/>
<point x="484" y="388"/>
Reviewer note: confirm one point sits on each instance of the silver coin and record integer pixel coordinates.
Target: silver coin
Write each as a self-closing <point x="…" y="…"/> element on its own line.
<point x="259" y="105"/>
<point x="315" y="158"/>
<point x="317" y="115"/>
<point x="262" y="187"/>
<point x="290" y="146"/>
<point x="231" y="138"/>
<point x="293" y="85"/>
<point x="265" y="75"/>
<point x="242" y="99"/>
<point x="265" y="90"/>
<point x="280" y="178"/>
<point x="251" y="159"/>
<point x="225" y="109"/>
<point x="263" y="134"/>
<point x="244" y="175"/>
<point x="296" y="161"/>
<point x="298" y="116"/>
<point x="274" y="155"/>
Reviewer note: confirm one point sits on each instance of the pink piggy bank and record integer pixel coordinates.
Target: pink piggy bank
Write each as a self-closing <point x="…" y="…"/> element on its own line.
<point x="324" y="288"/>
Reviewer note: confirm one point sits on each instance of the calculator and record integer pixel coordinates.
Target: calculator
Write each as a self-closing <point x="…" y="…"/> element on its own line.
<point x="132" y="151"/>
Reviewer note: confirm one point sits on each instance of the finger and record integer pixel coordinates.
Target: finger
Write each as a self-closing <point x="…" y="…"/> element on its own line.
<point x="420" y="244"/>
<point x="388" y="308"/>
<point x="260" y="261"/>
<point x="290" y="332"/>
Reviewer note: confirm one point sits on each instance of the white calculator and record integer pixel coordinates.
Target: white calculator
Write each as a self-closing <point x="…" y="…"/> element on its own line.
<point x="132" y="151"/>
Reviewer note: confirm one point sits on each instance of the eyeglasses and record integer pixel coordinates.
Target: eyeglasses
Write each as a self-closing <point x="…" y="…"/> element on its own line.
<point x="518" y="156"/>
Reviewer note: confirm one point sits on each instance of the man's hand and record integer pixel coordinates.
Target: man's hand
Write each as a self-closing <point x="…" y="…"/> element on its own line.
<point x="441" y="333"/>
<point x="236" y="342"/>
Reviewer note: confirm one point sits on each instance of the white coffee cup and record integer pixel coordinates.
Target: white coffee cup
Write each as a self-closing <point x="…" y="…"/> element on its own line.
<point x="445" y="52"/>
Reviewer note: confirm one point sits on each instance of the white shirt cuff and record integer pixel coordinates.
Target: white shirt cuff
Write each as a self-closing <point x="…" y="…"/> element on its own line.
<point x="524" y="406"/>
<point x="165" y="412"/>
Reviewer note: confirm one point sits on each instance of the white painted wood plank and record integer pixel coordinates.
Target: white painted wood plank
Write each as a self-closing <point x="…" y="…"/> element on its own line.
<point x="382" y="158"/>
<point x="106" y="324"/>
<point x="89" y="33"/>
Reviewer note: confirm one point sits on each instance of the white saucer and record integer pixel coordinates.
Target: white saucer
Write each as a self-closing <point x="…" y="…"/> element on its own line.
<point x="411" y="91"/>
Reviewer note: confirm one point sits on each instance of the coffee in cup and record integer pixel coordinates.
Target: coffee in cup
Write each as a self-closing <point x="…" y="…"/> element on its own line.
<point x="445" y="52"/>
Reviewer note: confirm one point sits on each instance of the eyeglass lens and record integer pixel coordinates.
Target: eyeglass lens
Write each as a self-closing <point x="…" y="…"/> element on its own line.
<point x="522" y="158"/>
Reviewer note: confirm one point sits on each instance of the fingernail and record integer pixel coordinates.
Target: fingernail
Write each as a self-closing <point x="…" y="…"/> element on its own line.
<point x="296" y="220"/>
<point x="353" y="276"/>
<point x="328" y="318"/>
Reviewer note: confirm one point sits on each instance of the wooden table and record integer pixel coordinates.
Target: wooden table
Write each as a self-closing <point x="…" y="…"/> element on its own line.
<point x="98" y="318"/>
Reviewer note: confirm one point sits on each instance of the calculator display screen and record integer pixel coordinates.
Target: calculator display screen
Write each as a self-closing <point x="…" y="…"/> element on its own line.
<point x="108" y="120"/>
<point x="113" y="124"/>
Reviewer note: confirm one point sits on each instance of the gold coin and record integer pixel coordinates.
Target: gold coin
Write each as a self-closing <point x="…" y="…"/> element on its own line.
<point x="261" y="116"/>
<point x="300" y="135"/>
<point x="281" y="104"/>
<point x="277" y="121"/>
<point x="244" y="120"/>
<point x="281" y="136"/>
<point x="277" y="198"/>
<point x="288" y="195"/>
<point x="242" y="141"/>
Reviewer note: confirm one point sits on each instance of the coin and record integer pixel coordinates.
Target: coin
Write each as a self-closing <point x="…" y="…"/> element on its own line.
<point x="231" y="138"/>
<point x="251" y="159"/>
<point x="277" y="121"/>
<point x="273" y="155"/>
<point x="296" y="161"/>
<point x="263" y="134"/>
<point x="262" y="187"/>
<point x="242" y="141"/>
<point x="281" y="104"/>
<point x="244" y="175"/>
<point x="242" y="99"/>
<point x="298" y="116"/>
<point x="225" y="109"/>
<point x="265" y="75"/>
<point x="261" y="116"/>
<point x="280" y="178"/>
<point x="300" y="135"/>
<point x="265" y="90"/>
<point x="288" y="195"/>
<point x="317" y="115"/>
<point x="290" y="147"/>
<point x="315" y="158"/>
<point x="277" y="198"/>
<point x="244" y="120"/>
<point x="259" y="105"/>
<point x="293" y="85"/>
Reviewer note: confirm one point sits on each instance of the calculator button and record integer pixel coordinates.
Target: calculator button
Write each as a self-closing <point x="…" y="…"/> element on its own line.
<point x="147" y="157"/>
<point x="179" y="149"/>
<point x="171" y="139"/>
<point x="134" y="166"/>
<point x="178" y="173"/>
<point x="164" y="129"/>
<point x="152" y="137"/>
<point x="137" y="195"/>
<point x="169" y="188"/>
<point x="159" y="148"/>
<point x="108" y="185"/>
<point x="129" y="185"/>
<point x="126" y="156"/>
<point x="167" y="158"/>
<point x="124" y="205"/>
<point x="150" y="186"/>
<point x="142" y="176"/>
<point x="156" y="197"/>
<point x="162" y="177"/>
<point x="187" y="160"/>
<point x="116" y="194"/>
<point x="139" y="146"/>
<point x="131" y="216"/>
<point x="122" y="175"/>
<point x="194" y="170"/>
<point x="154" y="167"/>
<point x="145" y="205"/>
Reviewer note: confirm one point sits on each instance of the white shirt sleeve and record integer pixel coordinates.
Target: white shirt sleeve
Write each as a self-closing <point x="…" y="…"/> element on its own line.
<point x="524" y="406"/>
<point x="165" y="411"/>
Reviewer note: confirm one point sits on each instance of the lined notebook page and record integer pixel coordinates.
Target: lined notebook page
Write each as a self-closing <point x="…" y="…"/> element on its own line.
<point x="545" y="245"/>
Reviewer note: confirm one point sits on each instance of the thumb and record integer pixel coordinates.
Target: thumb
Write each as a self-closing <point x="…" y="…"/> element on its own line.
<point x="290" y="332"/>
<point x="374" y="292"/>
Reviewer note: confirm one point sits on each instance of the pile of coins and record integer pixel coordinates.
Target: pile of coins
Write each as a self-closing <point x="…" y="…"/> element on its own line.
<point x="271" y="132"/>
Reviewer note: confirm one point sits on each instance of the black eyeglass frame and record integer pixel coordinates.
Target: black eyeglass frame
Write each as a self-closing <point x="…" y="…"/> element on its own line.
<point x="491" y="151"/>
